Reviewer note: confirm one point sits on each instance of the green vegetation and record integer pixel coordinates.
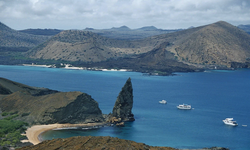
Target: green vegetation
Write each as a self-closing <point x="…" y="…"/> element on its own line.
<point x="10" y="130"/>
<point x="5" y="113"/>
<point x="11" y="117"/>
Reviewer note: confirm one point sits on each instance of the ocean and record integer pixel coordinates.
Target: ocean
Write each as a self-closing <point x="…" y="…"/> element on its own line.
<point x="214" y="95"/>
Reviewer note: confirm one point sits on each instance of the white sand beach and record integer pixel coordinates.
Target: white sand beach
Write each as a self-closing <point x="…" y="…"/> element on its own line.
<point x="33" y="132"/>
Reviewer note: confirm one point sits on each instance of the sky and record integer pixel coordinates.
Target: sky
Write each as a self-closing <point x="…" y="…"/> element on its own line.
<point x="105" y="14"/>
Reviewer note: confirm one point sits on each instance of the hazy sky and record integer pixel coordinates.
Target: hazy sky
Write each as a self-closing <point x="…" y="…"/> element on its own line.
<point x="102" y="14"/>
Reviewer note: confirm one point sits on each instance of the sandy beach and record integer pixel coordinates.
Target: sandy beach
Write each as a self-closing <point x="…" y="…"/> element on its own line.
<point x="33" y="132"/>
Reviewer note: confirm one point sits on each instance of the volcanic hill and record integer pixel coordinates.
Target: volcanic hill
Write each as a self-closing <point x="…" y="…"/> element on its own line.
<point x="219" y="44"/>
<point x="215" y="44"/>
<point x="85" y="46"/>
<point x="45" y="106"/>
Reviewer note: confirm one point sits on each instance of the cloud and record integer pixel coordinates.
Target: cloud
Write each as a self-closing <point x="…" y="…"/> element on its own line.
<point x="166" y="14"/>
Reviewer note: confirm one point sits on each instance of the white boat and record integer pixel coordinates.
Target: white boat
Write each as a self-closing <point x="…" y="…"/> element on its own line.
<point x="230" y="121"/>
<point x="163" y="101"/>
<point x="184" y="106"/>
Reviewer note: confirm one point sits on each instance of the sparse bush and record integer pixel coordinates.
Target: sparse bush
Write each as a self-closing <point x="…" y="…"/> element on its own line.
<point x="11" y="117"/>
<point x="25" y="114"/>
<point x="5" y="113"/>
<point x="15" y="112"/>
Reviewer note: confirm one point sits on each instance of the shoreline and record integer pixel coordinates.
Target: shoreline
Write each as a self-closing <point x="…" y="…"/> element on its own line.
<point x="68" y="66"/>
<point x="34" y="132"/>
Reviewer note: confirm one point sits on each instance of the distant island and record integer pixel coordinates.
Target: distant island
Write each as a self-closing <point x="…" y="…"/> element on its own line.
<point x="154" y="51"/>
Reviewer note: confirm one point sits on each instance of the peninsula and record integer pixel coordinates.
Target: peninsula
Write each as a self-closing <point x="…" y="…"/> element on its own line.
<point x="46" y="109"/>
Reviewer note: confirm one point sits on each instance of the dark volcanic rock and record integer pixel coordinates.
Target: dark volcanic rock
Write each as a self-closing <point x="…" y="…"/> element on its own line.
<point x="124" y="103"/>
<point x="89" y="143"/>
<point x="98" y="143"/>
<point x="83" y="109"/>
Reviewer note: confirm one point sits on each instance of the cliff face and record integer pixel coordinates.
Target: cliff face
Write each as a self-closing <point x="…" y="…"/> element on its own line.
<point x="124" y="103"/>
<point x="83" y="109"/>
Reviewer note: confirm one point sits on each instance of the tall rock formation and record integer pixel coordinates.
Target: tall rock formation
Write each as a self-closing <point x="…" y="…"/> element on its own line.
<point x="124" y="103"/>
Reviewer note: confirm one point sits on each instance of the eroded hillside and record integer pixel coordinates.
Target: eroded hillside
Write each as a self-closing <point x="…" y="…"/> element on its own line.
<point x="85" y="46"/>
<point x="219" y="44"/>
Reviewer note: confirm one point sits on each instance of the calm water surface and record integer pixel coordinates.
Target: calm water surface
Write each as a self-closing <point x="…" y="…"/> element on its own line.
<point x="214" y="95"/>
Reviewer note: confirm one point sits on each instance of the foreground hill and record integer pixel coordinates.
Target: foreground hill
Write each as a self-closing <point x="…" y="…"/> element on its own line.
<point x="98" y="143"/>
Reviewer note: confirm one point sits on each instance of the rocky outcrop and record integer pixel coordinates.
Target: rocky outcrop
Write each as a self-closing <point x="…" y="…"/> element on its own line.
<point x="124" y="103"/>
<point x="83" y="109"/>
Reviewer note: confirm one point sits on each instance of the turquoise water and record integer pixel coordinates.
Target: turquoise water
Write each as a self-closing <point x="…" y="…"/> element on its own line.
<point x="214" y="95"/>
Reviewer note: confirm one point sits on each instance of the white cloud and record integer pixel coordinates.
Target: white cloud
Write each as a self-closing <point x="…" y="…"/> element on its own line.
<point x="78" y="14"/>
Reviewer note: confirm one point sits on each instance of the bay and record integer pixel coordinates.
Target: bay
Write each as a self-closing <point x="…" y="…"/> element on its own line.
<point x="214" y="95"/>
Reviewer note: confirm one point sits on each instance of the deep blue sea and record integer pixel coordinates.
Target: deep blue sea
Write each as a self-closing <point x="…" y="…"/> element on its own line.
<point x="214" y="95"/>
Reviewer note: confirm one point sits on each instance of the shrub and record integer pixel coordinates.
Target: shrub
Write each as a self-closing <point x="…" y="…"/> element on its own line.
<point x="25" y="114"/>
<point x="5" y="113"/>
<point x="11" y="117"/>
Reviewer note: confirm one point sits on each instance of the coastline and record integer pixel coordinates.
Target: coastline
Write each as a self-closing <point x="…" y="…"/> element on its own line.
<point x="35" y="131"/>
<point x="69" y="66"/>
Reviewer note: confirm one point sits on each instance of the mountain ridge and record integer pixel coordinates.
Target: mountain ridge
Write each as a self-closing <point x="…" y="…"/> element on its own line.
<point x="217" y="45"/>
<point x="11" y="40"/>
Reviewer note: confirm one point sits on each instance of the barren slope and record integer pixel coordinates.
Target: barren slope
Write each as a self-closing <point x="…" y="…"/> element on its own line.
<point x="219" y="43"/>
<point x="13" y="40"/>
<point x="76" y="45"/>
